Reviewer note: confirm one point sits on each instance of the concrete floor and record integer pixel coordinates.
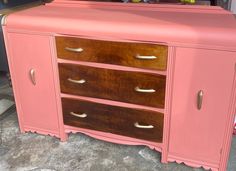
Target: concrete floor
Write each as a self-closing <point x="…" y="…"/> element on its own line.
<point x="34" y="152"/>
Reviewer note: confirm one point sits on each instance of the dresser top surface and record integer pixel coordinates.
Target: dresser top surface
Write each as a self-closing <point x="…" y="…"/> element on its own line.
<point x="152" y="23"/>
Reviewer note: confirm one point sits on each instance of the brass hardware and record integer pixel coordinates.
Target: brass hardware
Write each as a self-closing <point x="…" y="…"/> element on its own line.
<point x="74" y="49"/>
<point x="144" y="90"/>
<point x="82" y="81"/>
<point x="145" y="57"/>
<point x="137" y="125"/>
<point x="83" y="115"/>
<point x="32" y="76"/>
<point x="199" y="99"/>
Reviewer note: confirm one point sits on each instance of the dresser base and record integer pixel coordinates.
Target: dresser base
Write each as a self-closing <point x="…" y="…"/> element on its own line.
<point x="118" y="139"/>
<point x="192" y="163"/>
<point x="41" y="131"/>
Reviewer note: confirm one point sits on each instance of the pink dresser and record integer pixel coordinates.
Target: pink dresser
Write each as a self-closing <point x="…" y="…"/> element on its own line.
<point x="157" y="75"/>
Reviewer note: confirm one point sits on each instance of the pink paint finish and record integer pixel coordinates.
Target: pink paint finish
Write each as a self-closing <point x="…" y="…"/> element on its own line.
<point x="114" y="67"/>
<point x="195" y="137"/>
<point x="152" y="23"/>
<point x="63" y="135"/>
<point x="194" y="163"/>
<point x="114" y="138"/>
<point x="36" y="104"/>
<point x="168" y="102"/>
<point x="199" y="134"/>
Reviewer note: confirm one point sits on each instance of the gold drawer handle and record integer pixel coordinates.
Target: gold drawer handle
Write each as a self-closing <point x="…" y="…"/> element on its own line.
<point x="82" y="81"/>
<point x="74" y="49"/>
<point x="144" y="90"/>
<point x="83" y="115"/>
<point x="145" y="57"/>
<point x="136" y="124"/>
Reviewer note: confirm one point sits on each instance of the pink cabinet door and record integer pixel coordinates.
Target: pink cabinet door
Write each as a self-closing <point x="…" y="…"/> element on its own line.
<point x="198" y="134"/>
<point x="31" y="71"/>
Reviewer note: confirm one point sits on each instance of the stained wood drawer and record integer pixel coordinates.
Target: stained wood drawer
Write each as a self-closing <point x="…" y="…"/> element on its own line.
<point x="136" y="123"/>
<point x="141" y="55"/>
<point x="132" y="87"/>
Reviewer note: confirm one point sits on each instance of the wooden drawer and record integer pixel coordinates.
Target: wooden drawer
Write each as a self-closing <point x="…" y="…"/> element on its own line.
<point x="136" y="123"/>
<point x="132" y="87"/>
<point x="141" y="55"/>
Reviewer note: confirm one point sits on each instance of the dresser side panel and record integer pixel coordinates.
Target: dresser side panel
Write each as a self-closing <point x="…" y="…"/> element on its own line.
<point x="199" y="134"/>
<point x="37" y="104"/>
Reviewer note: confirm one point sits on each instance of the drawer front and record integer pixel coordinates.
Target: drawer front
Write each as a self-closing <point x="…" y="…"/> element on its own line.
<point x="141" y="55"/>
<point x="141" y="124"/>
<point x="131" y="87"/>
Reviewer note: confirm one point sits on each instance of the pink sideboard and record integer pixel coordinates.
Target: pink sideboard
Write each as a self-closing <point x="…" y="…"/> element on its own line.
<point x="200" y="88"/>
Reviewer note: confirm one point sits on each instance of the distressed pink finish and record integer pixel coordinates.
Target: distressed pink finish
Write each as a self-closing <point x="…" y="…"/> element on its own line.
<point x="202" y="56"/>
<point x="36" y="104"/>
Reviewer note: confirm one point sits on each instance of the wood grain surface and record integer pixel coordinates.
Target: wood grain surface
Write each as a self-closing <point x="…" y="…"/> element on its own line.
<point x="113" y="119"/>
<point x="110" y="52"/>
<point x="113" y="84"/>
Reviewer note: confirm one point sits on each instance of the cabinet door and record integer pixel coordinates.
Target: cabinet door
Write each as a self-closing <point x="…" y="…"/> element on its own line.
<point x="197" y="134"/>
<point x="31" y="69"/>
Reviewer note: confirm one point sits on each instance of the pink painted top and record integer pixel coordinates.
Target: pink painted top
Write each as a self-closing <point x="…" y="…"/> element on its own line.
<point x="176" y="25"/>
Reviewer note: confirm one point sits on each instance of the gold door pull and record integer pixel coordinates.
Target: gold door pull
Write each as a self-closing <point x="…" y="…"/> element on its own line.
<point x="199" y="99"/>
<point x="32" y="76"/>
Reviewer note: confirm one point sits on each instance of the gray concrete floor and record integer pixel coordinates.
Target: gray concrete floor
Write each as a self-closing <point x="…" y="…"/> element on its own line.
<point x="34" y="152"/>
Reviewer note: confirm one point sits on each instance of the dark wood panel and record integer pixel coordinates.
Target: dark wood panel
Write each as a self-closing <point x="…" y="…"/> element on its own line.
<point x="113" y="84"/>
<point x="119" y="53"/>
<point x="113" y="119"/>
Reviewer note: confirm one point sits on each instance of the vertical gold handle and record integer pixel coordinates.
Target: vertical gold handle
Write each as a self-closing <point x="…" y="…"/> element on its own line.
<point x="32" y="76"/>
<point x="199" y="99"/>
